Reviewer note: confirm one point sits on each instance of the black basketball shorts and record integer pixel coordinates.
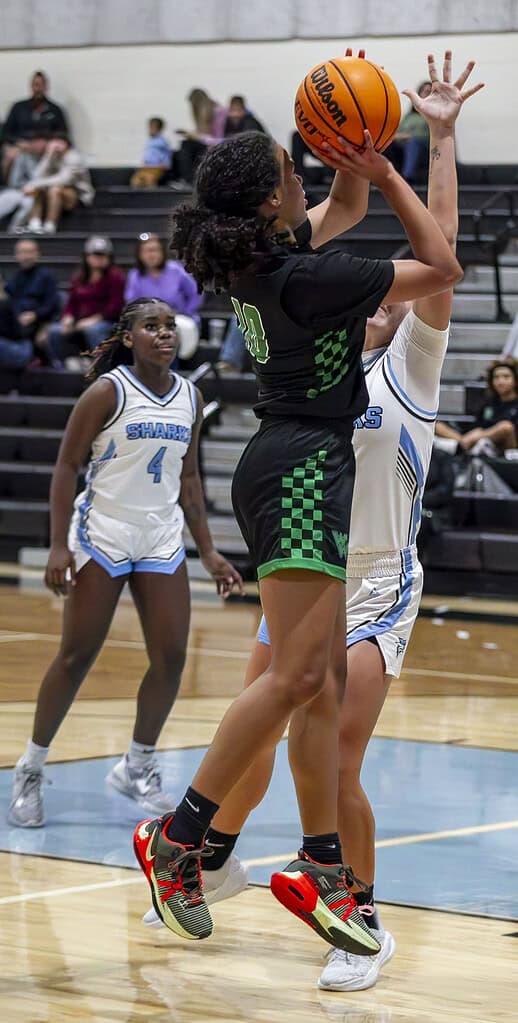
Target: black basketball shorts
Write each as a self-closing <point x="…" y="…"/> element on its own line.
<point x="292" y="494"/>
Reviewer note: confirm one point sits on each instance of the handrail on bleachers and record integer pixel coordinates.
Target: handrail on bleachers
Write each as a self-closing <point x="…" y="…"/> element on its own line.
<point x="498" y="243"/>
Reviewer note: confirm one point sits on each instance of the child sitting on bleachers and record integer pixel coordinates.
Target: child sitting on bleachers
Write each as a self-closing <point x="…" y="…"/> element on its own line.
<point x="156" y="159"/>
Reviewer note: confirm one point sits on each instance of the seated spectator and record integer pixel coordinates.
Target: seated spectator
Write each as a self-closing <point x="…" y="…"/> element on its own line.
<point x="410" y="147"/>
<point x="209" y="119"/>
<point x="497" y="422"/>
<point x="13" y="199"/>
<point x="240" y="119"/>
<point x="156" y="276"/>
<point x="33" y="291"/>
<point x="29" y="116"/>
<point x="156" y="159"/>
<point x="15" y="350"/>
<point x="61" y="181"/>
<point x="94" y="303"/>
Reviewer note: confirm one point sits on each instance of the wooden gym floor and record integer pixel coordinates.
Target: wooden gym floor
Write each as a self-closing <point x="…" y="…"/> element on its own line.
<point x="72" y="946"/>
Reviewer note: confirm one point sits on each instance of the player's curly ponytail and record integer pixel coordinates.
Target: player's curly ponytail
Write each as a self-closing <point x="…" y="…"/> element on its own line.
<point x="220" y="233"/>
<point x="113" y="352"/>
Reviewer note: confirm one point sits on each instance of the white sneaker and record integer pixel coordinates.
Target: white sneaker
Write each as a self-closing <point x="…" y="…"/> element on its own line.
<point x="26" y="809"/>
<point x="346" y="972"/>
<point x="229" y="880"/>
<point x="144" y="786"/>
<point x="49" y="227"/>
<point x="35" y="225"/>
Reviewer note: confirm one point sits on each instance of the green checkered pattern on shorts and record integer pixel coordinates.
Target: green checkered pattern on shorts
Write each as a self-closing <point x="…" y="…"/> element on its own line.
<point x="331" y="362"/>
<point x="302" y="496"/>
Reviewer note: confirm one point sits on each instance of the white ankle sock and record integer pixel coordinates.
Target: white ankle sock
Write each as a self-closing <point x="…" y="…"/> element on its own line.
<point x="34" y="756"/>
<point x="140" y="755"/>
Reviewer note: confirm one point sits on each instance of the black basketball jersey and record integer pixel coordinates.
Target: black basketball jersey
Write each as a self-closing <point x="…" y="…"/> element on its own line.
<point x="303" y="316"/>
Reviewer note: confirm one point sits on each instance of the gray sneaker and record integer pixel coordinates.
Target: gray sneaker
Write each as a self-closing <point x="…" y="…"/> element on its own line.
<point x="144" y="786"/>
<point x="26" y="809"/>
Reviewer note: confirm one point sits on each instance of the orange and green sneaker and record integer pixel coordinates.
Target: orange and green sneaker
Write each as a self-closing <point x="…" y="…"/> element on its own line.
<point x="319" y="895"/>
<point x="174" y="875"/>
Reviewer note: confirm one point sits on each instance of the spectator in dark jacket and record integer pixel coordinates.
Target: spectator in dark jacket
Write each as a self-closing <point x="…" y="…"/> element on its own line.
<point x="15" y="351"/>
<point x="30" y="116"/>
<point x="240" y="119"/>
<point x="94" y="303"/>
<point x="33" y="289"/>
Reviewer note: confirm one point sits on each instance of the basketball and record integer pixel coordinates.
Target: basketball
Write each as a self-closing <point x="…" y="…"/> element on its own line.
<point x="344" y="96"/>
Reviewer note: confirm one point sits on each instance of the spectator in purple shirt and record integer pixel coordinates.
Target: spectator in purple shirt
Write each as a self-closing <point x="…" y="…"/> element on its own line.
<point x="156" y="276"/>
<point x="209" y="119"/>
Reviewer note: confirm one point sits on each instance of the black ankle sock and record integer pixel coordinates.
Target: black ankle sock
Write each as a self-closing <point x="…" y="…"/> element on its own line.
<point x="365" y="898"/>
<point x="191" y="819"/>
<point x="222" y="845"/>
<point x="323" y="848"/>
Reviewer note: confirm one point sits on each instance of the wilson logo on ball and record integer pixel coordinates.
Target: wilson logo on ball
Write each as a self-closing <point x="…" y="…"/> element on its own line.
<point x="325" y="89"/>
<point x="345" y="96"/>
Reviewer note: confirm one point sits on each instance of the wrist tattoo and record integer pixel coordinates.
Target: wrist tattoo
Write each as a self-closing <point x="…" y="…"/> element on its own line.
<point x="435" y="153"/>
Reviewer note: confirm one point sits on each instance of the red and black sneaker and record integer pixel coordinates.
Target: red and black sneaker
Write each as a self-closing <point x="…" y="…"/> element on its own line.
<point x="174" y="875"/>
<point x="318" y="894"/>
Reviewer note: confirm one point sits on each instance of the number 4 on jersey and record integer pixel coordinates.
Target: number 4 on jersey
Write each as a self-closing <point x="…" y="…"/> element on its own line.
<point x="251" y="326"/>
<point x="155" y="465"/>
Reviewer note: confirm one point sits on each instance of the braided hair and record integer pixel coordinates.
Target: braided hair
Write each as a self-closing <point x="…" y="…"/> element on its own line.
<point x="220" y="233"/>
<point x="113" y="352"/>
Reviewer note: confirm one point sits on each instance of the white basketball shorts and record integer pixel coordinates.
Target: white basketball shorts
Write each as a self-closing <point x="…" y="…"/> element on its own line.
<point x="383" y="597"/>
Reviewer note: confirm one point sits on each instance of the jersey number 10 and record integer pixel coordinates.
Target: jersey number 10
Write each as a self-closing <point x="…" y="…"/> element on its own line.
<point x="251" y="326"/>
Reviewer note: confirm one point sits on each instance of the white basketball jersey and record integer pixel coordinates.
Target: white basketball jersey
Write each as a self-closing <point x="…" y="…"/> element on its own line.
<point x="393" y="439"/>
<point x="136" y="464"/>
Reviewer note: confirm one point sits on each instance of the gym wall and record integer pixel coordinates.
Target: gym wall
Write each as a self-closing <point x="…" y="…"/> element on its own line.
<point x="110" y="91"/>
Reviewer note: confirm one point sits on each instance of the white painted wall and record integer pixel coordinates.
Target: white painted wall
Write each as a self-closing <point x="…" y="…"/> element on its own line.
<point x="110" y="91"/>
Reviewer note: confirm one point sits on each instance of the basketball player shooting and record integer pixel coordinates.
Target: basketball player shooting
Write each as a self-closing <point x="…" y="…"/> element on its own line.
<point x="403" y="355"/>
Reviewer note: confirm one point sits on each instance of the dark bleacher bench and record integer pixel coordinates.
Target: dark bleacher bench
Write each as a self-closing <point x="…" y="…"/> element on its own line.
<point x="485" y="511"/>
<point x="462" y="550"/>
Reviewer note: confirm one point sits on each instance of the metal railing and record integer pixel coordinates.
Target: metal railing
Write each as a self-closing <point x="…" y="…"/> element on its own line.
<point x="498" y="242"/>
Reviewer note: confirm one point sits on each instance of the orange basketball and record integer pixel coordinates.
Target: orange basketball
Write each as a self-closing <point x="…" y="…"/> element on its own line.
<point x="344" y="96"/>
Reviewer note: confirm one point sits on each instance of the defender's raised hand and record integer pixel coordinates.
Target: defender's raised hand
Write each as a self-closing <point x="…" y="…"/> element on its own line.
<point x="443" y="103"/>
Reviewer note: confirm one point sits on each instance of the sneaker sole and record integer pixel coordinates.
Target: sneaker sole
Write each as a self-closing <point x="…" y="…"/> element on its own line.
<point x="297" y="893"/>
<point x="168" y="919"/>
<point x="371" y="979"/>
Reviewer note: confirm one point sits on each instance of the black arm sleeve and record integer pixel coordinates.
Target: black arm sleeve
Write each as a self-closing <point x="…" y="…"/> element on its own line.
<point x="326" y="286"/>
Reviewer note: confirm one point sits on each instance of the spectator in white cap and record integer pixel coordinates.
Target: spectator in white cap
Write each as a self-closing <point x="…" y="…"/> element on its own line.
<point x="94" y="303"/>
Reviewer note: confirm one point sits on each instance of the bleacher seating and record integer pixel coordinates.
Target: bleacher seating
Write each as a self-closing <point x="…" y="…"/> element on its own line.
<point x="35" y="405"/>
